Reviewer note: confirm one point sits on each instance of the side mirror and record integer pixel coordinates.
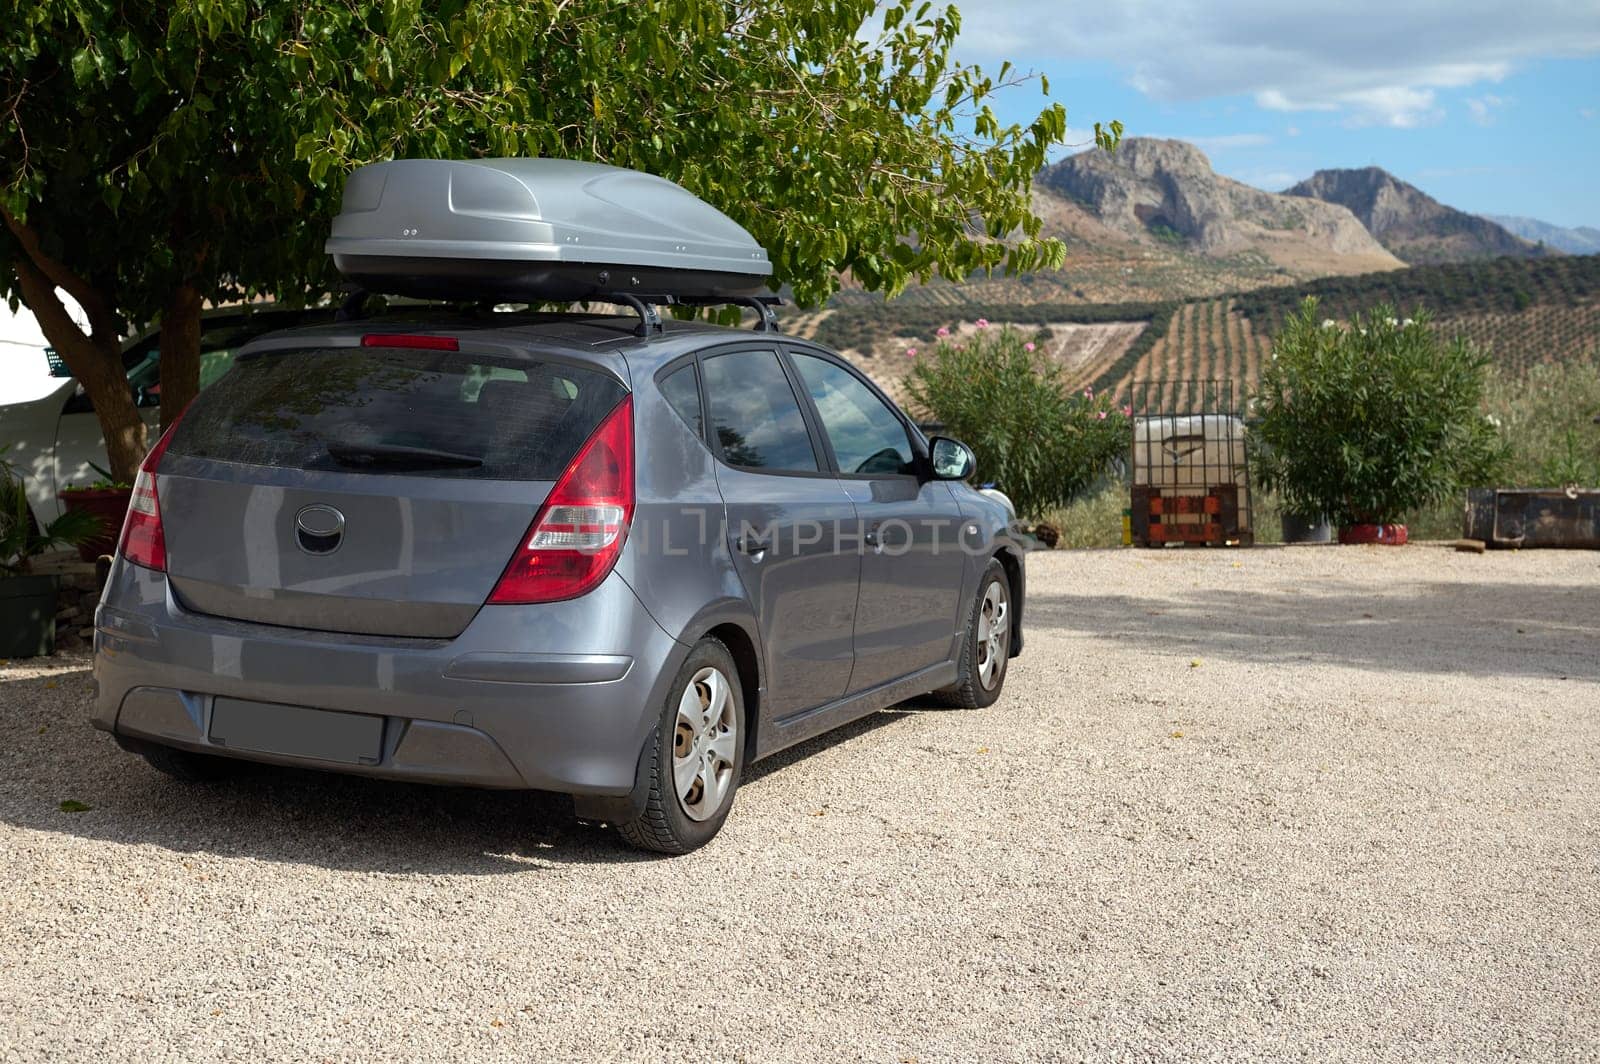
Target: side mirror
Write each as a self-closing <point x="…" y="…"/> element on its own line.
<point x="951" y="459"/>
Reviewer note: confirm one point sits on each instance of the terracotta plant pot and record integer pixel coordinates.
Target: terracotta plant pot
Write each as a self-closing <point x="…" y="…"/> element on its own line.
<point x="27" y="616"/>
<point x="110" y="505"/>
<point x="1386" y="535"/>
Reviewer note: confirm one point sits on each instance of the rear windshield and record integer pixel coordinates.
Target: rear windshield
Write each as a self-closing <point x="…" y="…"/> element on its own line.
<point x="390" y="410"/>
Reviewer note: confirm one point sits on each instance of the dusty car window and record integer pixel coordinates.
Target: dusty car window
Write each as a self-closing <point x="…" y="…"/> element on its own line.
<point x="392" y="410"/>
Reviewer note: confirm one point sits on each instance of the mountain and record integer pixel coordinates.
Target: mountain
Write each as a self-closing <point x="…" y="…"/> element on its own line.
<point x="1582" y="240"/>
<point x="1409" y="222"/>
<point x="1152" y="221"/>
<point x="1165" y="191"/>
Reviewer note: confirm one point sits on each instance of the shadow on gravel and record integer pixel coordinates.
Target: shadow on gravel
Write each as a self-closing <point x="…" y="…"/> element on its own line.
<point x="49" y="754"/>
<point x="1477" y="629"/>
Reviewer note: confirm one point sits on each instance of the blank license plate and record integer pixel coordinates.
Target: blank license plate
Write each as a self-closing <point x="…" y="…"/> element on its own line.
<point x="295" y="731"/>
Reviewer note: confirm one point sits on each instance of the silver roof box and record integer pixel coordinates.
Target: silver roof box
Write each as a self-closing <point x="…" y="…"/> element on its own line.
<point x="537" y="229"/>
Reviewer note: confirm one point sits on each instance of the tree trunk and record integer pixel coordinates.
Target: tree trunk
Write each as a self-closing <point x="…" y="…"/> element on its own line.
<point x="95" y="360"/>
<point x="94" y="355"/>
<point x="98" y="367"/>
<point x="180" y="352"/>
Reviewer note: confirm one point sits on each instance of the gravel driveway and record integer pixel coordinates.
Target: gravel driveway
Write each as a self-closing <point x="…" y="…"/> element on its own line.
<point x="1304" y="802"/>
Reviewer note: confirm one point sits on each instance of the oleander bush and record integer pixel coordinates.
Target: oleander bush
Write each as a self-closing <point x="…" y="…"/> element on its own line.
<point x="1370" y="419"/>
<point x="1038" y="440"/>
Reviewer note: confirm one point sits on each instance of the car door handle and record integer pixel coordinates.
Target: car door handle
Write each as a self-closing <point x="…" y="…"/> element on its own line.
<point x="754" y="546"/>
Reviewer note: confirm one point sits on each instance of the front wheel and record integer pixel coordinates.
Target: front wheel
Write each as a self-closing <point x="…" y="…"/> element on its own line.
<point x="697" y="755"/>
<point x="986" y="647"/>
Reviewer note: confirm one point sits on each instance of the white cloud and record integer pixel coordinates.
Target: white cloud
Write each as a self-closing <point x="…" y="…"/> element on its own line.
<point x="1586" y="113"/>
<point x="1396" y="106"/>
<point x="1376" y="62"/>
<point x="1293" y="131"/>
<point x="1481" y="109"/>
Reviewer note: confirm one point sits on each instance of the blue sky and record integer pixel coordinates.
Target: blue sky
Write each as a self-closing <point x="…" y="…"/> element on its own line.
<point x="1490" y="107"/>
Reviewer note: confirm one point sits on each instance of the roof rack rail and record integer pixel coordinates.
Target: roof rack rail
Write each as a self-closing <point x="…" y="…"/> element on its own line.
<point x="766" y="318"/>
<point x="650" y="318"/>
<point x="353" y="306"/>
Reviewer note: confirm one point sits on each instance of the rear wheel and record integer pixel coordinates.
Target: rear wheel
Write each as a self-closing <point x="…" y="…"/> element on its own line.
<point x="188" y="766"/>
<point x="986" y="649"/>
<point x="697" y="755"/>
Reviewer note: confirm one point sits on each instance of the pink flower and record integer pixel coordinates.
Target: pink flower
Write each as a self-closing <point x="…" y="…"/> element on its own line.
<point x="983" y="323"/>
<point x="1101" y="415"/>
<point x="942" y="332"/>
<point x="1127" y="411"/>
<point x="1088" y="393"/>
<point x="1028" y="346"/>
<point x="911" y="352"/>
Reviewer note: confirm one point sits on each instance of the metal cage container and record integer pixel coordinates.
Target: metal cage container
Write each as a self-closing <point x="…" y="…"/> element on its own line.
<point x="1190" y="470"/>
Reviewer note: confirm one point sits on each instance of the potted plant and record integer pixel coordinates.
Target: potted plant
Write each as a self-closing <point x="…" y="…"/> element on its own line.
<point x="106" y="500"/>
<point x="27" y="599"/>
<point x="1368" y="420"/>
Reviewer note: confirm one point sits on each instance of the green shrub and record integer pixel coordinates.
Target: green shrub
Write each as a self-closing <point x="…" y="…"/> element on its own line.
<point x="1040" y="442"/>
<point x="1369" y="420"/>
<point x="1093" y="519"/>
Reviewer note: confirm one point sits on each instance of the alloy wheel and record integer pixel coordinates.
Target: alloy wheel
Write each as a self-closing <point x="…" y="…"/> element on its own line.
<point x="705" y="744"/>
<point x="994" y="634"/>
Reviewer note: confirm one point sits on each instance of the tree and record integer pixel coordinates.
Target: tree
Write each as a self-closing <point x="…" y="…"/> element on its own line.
<point x="159" y="156"/>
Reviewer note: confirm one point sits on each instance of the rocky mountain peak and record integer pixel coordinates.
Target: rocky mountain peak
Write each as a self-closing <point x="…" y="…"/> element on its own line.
<point x="1166" y="191"/>
<point x="1408" y="221"/>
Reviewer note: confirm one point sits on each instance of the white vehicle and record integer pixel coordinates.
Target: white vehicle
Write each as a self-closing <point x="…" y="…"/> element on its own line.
<point x="48" y="427"/>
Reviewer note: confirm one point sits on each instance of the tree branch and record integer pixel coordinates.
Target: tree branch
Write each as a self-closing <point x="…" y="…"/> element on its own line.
<point x="40" y="295"/>
<point x="102" y="323"/>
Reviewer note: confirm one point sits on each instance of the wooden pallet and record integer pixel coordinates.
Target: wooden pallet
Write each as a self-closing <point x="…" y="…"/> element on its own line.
<point x="1157" y="517"/>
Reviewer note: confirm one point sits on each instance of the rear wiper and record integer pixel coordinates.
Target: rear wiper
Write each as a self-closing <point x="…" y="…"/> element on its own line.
<point x="390" y="454"/>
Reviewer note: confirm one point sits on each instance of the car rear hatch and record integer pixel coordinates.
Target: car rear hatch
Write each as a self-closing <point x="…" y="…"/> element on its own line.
<point x="378" y="489"/>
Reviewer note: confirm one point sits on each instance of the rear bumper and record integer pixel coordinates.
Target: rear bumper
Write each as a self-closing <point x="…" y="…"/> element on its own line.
<point x="482" y="709"/>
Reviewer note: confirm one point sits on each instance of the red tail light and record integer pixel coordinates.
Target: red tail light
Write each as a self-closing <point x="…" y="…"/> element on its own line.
<point x="142" y="541"/>
<point x="577" y="534"/>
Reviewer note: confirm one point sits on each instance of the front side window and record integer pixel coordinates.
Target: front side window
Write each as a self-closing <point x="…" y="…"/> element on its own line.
<point x="755" y="415"/>
<point x="867" y="438"/>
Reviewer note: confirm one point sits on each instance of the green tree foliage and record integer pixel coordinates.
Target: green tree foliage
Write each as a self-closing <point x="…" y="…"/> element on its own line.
<point x="1039" y="442"/>
<point x="1368" y="420"/>
<point x="160" y="155"/>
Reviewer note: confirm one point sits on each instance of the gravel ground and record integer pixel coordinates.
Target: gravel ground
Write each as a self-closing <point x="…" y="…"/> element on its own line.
<point x="1306" y="802"/>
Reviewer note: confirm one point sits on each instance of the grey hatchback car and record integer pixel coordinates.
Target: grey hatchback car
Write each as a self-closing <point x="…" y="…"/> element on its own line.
<point x="542" y="551"/>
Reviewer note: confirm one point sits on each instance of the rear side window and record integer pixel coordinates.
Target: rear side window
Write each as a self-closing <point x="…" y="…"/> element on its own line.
<point x="682" y="393"/>
<point x="755" y="414"/>
<point x="388" y="410"/>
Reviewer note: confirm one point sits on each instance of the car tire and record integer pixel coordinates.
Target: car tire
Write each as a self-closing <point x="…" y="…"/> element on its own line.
<point x="985" y="646"/>
<point x="696" y="755"/>
<point x="187" y="766"/>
